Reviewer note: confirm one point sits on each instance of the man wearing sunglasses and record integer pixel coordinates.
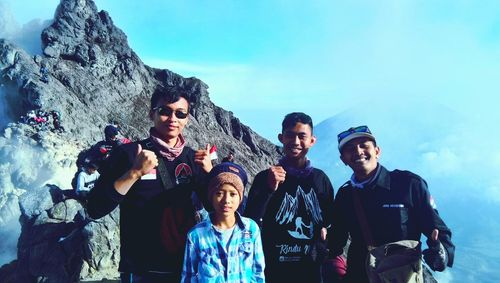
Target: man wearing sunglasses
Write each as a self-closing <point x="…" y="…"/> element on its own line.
<point x="156" y="183"/>
<point x="396" y="206"/>
<point x="292" y="201"/>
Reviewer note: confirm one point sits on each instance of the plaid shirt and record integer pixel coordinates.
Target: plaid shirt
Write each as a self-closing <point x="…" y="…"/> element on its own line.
<point x="206" y="260"/>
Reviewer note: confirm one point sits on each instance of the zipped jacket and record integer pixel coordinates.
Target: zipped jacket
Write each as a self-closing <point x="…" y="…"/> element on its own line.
<point x="397" y="206"/>
<point x="154" y="219"/>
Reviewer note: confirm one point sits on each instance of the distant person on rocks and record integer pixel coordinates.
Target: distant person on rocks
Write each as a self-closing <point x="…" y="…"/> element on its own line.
<point x="44" y="73"/>
<point x="56" y="121"/>
<point x="41" y="116"/>
<point x="229" y="157"/>
<point x="113" y="137"/>
<point x="115" y="124"/>
<point x="293" y="202"/>
<point x="102" y="150"/>
<point x="31" y="117"/>
<point x="158" y="184"/>
<point x="396" y="206"/>
<point x="86" y="180"/>
<point x="40" y="120"/>
<point x="226" y="247"/>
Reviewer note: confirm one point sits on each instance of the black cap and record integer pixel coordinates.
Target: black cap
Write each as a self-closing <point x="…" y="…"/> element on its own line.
<point x="110" y="131"/>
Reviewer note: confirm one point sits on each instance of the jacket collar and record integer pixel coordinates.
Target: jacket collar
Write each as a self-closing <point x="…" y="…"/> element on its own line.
<point x="239" y="221"/>
<point x="384" y="179"/>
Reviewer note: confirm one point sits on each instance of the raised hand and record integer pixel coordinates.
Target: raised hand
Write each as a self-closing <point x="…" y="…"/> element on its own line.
<point x="202" y="158"/>
<point x="145" y="161"/>
<point x="435" y="235"/>
<point x="435" y="256"/>
<point x="275" y="176"/>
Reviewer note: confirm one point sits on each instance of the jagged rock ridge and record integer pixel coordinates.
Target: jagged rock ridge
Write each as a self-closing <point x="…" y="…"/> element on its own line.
<point x="92" y="79"/>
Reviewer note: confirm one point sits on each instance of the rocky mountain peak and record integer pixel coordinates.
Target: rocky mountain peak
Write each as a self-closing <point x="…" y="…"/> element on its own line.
<point x="81" y="33"/>
<point x="91" y="77"/>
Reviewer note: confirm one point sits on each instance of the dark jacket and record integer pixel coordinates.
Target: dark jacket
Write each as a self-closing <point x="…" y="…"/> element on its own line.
<point x="154" y="220"/>
<point x="101" y="151"/>
<point x="397" y="206"/>
<point x="291" y="219"/>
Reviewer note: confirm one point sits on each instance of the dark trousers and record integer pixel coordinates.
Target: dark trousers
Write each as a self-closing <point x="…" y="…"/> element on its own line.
<point x="300" y="273"/>
<point x="150" y="277"/>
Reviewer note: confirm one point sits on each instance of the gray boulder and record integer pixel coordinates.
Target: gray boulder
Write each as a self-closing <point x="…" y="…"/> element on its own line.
<point x="59" y="243"/>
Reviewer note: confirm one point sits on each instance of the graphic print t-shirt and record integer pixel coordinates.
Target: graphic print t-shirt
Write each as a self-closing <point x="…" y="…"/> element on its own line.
<point x="292" y="222"/>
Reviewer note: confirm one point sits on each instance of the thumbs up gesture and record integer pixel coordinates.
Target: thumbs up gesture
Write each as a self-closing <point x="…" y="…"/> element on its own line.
<point x="435" y="256"/>
<point x="145" y="161"/>
<point x="202" y="158"/>
<point x="275" y="176"/>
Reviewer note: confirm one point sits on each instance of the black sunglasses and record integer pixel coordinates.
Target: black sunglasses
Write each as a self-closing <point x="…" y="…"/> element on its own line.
<point x="165" y="111"/>
<point x="360" y="129"/>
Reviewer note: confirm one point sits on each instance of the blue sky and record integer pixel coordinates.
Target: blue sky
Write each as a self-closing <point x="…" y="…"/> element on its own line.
<point x="263" y="59"/>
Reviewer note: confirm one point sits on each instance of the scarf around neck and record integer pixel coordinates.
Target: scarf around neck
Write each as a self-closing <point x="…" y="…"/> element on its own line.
<point x="169" y="152"/>
<point x="365" y="183"/>
<point x="304" y="172"/>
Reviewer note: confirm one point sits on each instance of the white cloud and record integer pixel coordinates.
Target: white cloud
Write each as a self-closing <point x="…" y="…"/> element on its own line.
<point x="8" y="24"/>
<point x="442" y="162"/>
<point x="443" y="277"/>
<point x="26" y="166"/>
<point x="226" y="80"/>
<point x="29" y="38"/>
<point x="492" y="192"/>
<point x="26" y="36"/>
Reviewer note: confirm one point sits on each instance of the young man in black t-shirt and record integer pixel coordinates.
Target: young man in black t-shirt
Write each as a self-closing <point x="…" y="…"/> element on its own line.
<point x="292" y="201"/>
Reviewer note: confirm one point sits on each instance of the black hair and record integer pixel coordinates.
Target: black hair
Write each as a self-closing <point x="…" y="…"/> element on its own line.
<point x="90" y="165"/>
<point x="110" y="131"/>
<point x="171" y="94"/>
<point x="292" y="119"/>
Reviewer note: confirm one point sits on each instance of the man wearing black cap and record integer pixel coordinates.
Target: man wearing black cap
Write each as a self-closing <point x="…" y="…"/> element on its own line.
<point x="395" y="205"/>
<point x="102" y="150"/>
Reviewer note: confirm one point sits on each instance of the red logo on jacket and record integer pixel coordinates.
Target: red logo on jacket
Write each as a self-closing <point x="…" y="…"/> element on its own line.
<point x="183" y="174"/>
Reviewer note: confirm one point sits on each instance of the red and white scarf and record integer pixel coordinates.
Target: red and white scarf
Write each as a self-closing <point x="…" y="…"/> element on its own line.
<point x="169" y="152"/>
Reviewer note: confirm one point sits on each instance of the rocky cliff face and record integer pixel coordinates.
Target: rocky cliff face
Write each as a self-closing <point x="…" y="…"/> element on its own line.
<point x="95" y="78"/>
<point x="89" y="74"/>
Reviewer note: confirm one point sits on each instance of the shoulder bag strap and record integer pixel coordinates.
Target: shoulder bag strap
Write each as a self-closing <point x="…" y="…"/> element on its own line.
<point x="365" y="228"/>
<point x="162" y="167"/>
<point x="164" y="175"/>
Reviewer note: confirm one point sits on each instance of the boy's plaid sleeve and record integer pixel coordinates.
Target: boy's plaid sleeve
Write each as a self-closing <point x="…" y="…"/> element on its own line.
<point x="259" y="261"/>
<point x="191" y="260"/>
